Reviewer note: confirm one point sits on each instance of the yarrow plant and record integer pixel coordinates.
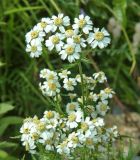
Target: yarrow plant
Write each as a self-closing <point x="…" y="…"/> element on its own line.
<point x="76" y="121"/>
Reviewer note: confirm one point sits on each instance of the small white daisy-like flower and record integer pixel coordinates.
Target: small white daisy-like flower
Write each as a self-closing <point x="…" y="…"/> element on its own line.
<point x="73" y="106"/>
<point x="55" y="41"/>
<point x="83" y="23"/>
<point x="46" y="139"/>
<point x="93" y="96"/>
<point x="60" y="22"/>
<point x="69" y="33"/>
<point x="70" y="51"/>
<point x="100" y="77"/>
<point x="64" y="74"/>
<point x="106" y="93"/>
<point x="102" y="108"/>
<point x="45" y="24"/>
<point x="44" y="73"/>
<point x="35" y="48"/>
<point x="35" y="34"/>
<point x="99" y="38"/>
<point x="69" y="84"/>
<point x="51" y="76"/>
<point x="63" y="148"/>
<point x="98" y="122"/>
<point x="50" y="88"/>
<point x="74" y="118"/>
<point x="73" y="140"/>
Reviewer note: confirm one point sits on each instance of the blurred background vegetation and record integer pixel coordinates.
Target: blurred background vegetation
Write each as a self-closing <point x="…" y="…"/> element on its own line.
<point x="19" y="93"/>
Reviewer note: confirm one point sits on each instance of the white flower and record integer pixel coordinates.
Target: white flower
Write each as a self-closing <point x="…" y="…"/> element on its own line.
<point x="88" y="128"/>
<point x="60" y="22"/>
<point x="100" y="77"/>
<point x="35" y="34"/>
<point x="102" y="108"/>
<point x="63" y="148"/>
<point x="83" y="23"/>
<point x="29" y="145"/>
<point x="50" y="75"/>
<point x="93" y="96"/>
<point x="73" y="140"/>
<point x="106" y="93"/>
<point x="74" y="118"/>
<point x="73" y="106"/>
<point x="70" y="51"/>
<point x="69" y="84"/>
<point x="35" y="48"/>
<point x="50" y="88"/>
<point x="55" y="41"/>
<point x="46" y="139"/>
<point x="69" y="33"/>
<point x="78" y="40"/>
<point x="64" y="74"/>
<point x="99" y="38"/>
<point x="98" y="122"/>
<point x="51" y="119"/>
<point x="45" y="24"/>
<point x="44" y="73"/>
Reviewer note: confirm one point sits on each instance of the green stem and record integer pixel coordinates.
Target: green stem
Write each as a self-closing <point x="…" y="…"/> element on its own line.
<point x="58" y="105"/>
<point x="82" y="81"/>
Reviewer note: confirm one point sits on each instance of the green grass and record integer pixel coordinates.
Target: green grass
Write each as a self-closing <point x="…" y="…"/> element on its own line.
<point x="19" y="74"/>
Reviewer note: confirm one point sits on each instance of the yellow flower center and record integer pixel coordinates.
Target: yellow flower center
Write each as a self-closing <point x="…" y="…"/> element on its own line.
<point x="89" y="141"/>
<point x="26" y="131"/>
<point x="52" y="86"/>
<point x="72" y="117"/>
<point x="48" y="142"/>
<point x="77" y="39"/>
<point x="99" y="36"/>
<point x="107" y="90"/>
<point x="71" y="107"/>
<point x="43" y="24"/>
<point x="33" y="48"/>
<point x="50" y="115"/>
<point x="41" y="126"/>
<point x="35" y="136"/>
<point x="34" y="34"/>
<point x="69" y="83"/>
<point x="69" y="33"/>
<point x="55" y="39"/>
<point x="58" y="21"/>
<point x="103" y="107"/>
<point x="51" y="77"/>
<point x="70" y="50"/>
<point x="75" y="139"/>
<point x="82" y="22"/>
<point x="94" y="120"/>
<point x="84" y="126"/>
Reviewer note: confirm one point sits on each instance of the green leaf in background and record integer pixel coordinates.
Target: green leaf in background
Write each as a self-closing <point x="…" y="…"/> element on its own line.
<point x="5" y="144"/>
<point x="4" y="156"/>
<point x="9" y="120"/>
<point x="120" y="11"/>
<point x="5" y="107"/>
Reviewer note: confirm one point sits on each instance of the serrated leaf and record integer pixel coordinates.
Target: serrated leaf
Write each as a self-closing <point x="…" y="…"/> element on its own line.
<point x="120" y="11"/>
<point x="10" y="120"/>
<point x="5" y="107"/>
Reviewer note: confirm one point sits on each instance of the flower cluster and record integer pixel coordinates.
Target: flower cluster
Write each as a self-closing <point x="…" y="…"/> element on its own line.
<point x="79" y="106"/>
<point x="64" y="135"/>
<point x="68" y="40"/>
<point x="81" y="126"/>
